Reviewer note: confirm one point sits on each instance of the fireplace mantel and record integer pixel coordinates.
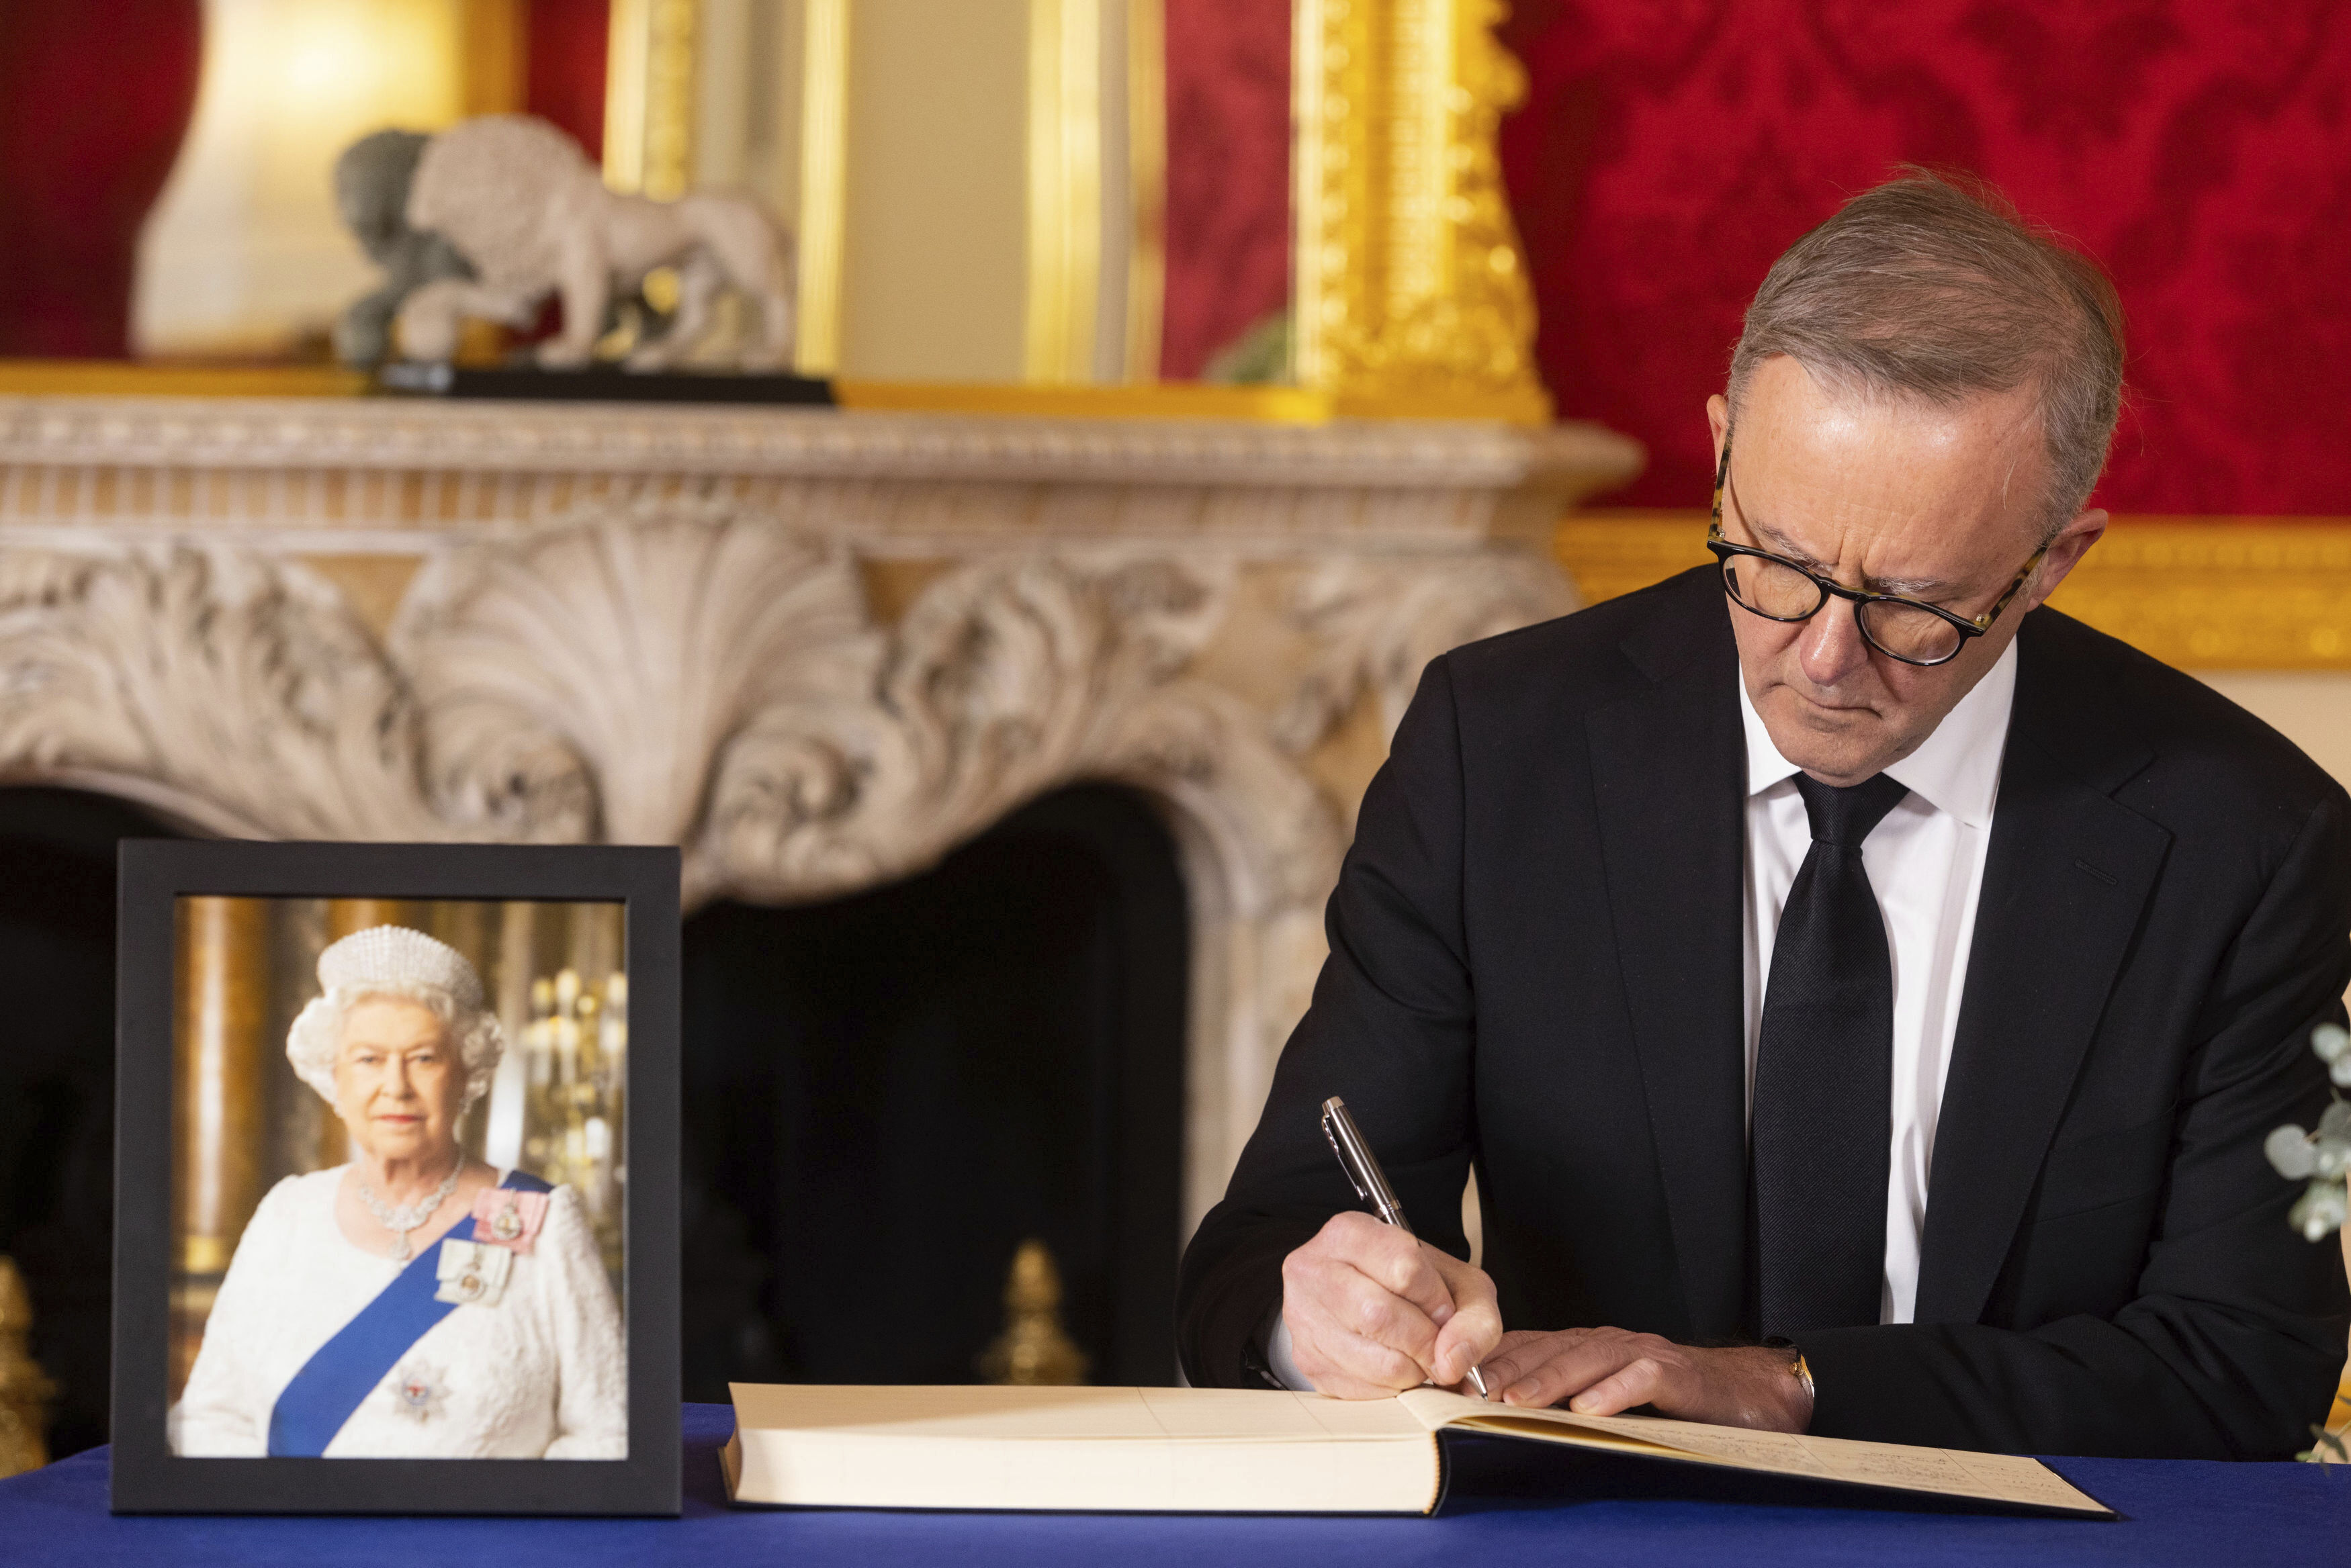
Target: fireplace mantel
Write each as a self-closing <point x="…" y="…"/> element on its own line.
<point x="816" y="649"/>
<point x="399" y="473"/>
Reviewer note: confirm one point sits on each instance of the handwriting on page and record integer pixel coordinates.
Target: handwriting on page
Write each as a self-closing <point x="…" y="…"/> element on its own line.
<point x="1929" y="1470"/>
<point x="1770" y="1451"/>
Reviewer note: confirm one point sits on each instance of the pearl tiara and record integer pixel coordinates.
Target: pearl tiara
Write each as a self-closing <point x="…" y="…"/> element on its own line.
<point x="392" y="956"/>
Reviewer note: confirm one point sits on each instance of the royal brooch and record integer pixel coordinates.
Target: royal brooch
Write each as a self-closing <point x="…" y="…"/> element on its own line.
<point x="505" y="1218"/>
<point x="472" y="1273"/>
<point x="417" y="1390"/>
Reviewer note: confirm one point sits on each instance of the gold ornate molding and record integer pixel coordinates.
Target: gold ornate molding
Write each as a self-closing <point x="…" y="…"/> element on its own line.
<point x="136" y="378"/>
<point x="2209" y="594"/>
<point x="1410" y="290"/>
<point x="2198" y="593"/>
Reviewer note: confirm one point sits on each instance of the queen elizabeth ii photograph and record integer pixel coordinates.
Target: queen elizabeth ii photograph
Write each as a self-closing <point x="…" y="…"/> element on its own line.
<point x="415" y="1302"/>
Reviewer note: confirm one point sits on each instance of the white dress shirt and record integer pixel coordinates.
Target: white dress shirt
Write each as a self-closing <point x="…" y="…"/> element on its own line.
<point x="1925" y="864"/>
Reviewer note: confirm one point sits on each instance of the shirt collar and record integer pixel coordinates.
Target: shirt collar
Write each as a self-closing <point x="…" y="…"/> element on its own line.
<point x="1956" y="769"/>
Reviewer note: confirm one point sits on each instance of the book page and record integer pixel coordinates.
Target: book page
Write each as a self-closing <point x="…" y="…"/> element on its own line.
<point x="1995" y="1477"/>
<point x="983" y="1410"/>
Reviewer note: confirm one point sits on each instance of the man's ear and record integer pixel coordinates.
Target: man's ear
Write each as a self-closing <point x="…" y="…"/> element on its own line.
<point x="1718" y="419"/>
<point x="2065" y="551"/>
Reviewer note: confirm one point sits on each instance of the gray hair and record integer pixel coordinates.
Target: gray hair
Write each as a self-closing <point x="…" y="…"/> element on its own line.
<point x="1936" y="289"/>
<point x="316" y="1036"/>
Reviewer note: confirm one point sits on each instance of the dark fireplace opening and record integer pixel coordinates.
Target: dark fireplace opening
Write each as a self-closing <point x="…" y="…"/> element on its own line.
<point x="886" y="1094"/>
<point x="56" y="1083"/>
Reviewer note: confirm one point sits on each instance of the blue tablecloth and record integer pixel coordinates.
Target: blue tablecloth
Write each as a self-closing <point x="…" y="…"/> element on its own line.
<point x="1509" y="1504"/>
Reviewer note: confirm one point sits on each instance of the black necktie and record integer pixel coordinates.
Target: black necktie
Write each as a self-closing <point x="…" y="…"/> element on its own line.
<point x="1822" y="1118"/>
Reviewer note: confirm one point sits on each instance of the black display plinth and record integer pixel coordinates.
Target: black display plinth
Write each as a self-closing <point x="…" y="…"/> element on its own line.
<point x="602" y="384"/>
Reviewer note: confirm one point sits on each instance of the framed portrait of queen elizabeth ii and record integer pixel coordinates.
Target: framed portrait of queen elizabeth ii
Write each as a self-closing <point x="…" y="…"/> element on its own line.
<point x="396" y="1180"/>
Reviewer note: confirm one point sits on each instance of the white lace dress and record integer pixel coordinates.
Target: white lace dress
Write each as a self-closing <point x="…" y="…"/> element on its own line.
<point x="541" y="1374"/>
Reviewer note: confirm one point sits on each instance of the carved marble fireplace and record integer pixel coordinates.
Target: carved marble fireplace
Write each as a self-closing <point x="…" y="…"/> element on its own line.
<point x="816" y="649"/>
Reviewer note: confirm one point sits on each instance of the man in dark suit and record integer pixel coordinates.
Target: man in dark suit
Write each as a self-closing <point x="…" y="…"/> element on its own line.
<point x="1719" y="926"/>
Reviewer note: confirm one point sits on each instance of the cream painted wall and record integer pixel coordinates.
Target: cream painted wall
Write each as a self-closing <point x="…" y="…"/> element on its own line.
<point x="935" y="279"/>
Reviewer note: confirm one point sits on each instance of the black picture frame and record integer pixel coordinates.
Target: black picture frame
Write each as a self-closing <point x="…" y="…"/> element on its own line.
<point x="148" y="1477"/>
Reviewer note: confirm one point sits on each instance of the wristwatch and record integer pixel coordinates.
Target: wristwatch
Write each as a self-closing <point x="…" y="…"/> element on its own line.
<point x="1798" y="1368"/>
<point x="1804" y="1375"/>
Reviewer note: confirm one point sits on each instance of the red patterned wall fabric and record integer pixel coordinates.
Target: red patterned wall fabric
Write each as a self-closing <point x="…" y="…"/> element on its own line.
<point x="94" y="96"/>
<point x="1227" y="175"/>
<point x="1670" y="149"/>
<point x="564" y="67"/>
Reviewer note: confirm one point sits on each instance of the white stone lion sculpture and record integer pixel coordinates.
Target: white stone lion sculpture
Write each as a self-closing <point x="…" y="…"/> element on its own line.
<point x="521" y="201"/>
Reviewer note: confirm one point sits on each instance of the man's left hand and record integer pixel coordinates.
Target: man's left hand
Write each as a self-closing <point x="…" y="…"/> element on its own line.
<point x="1602" y="1371"/>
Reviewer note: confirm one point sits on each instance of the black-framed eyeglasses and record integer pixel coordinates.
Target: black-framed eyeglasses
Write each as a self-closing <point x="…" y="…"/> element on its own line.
<point x="1909" y="630"/>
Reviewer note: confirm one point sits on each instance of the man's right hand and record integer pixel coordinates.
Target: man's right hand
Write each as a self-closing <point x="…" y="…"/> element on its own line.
<point x="1372" y="1311"/>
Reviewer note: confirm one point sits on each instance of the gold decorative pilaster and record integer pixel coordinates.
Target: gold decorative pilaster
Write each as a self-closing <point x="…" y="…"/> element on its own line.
<point x="1146" y="161"/>
<point x="824" y="184"/>
<point x="1410" y="288"/>
<point x="1064" y="187"/>
<point x="649" y="98"/>
<point x="626" y="39"/>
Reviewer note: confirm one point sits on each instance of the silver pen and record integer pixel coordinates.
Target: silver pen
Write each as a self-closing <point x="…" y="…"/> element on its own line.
<point x="1370" y="1182"/>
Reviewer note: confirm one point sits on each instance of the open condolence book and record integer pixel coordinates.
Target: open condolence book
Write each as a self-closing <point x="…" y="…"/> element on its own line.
<point x="1215" y="1450"/>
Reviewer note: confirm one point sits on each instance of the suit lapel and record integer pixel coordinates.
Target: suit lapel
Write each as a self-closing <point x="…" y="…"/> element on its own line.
<point x="1668" y="779"/>
<point x="2065" y="877"/>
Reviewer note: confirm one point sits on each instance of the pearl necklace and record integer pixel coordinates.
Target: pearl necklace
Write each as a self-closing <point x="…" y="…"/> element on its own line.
<point x="401" y="1221"/>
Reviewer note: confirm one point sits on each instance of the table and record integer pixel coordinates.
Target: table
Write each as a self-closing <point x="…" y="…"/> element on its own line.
<point x="1509" y="1504"/>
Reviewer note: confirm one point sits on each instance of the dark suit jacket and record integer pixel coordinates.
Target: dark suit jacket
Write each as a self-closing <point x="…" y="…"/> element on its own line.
<point x="1536" y="966"/>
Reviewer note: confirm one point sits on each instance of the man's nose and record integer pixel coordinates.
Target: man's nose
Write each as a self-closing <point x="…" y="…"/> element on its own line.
<point x="1831" y="648"/>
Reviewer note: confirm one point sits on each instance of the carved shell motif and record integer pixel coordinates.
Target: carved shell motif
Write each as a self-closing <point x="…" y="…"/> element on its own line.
<point x="577" y="684"/>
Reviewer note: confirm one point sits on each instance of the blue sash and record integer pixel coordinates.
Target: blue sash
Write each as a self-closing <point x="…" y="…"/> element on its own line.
<point x="354" y="1363"/>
